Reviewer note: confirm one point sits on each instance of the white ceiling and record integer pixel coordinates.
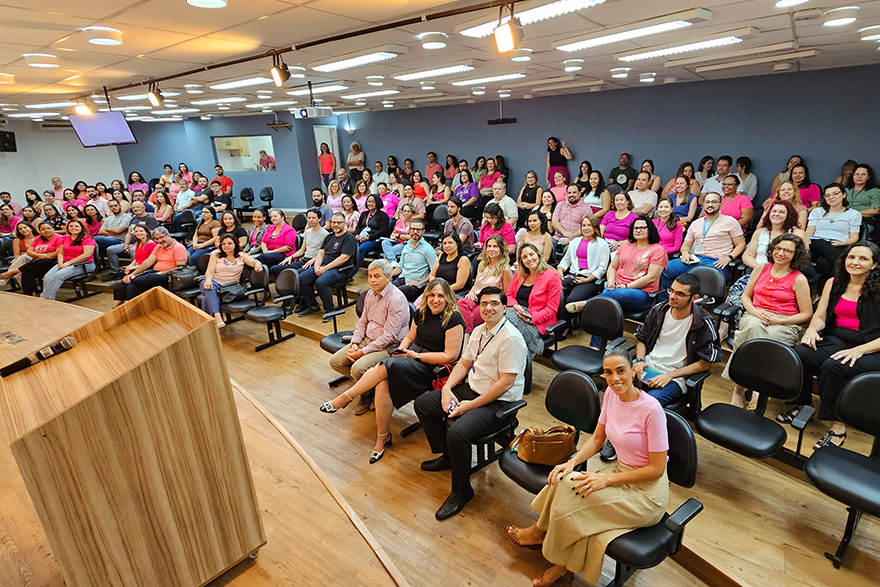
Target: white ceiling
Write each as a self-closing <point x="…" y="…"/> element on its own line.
<point x="164" y="37"/>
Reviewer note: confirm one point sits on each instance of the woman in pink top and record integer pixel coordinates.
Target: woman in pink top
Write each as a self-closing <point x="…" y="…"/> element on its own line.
<point x="560" y="187"/>
<point x="224" y="268"/>
<point x="776" y="299"/>
<point x="8" y="220"/>
<point x="390" y="200"/>
<point x="267" y="162"/>
<point x="184" y="172"/>
<point x="393" y="245"/>
<point x="615" y="226"/>
<point x="361" y="192"/>
<point x="788" y="192"/>
<point x="809" y="191"/>
<point x="70" y="199"/>
<point x="737" y="206"/>
<point x="496" y="223"/>
<point x="493" y="270"/>
<point x="93" y="219"/>
<point x="136" y="182"/>
<point x="278" y="240"/>
<point x="43" y="251"/>
<point x="668" y="226"/>
<point x="75" y="257"/>
<point x="327" y="163"/>
<point x="488" y="180"/>
<point x="533" y="297"/>
<point x="630" y="493"/>
<point x="334" y="196"/>
<point x="25" y="234"/>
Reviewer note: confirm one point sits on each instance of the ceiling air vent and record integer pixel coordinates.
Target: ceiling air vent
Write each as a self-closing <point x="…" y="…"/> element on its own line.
<point x="56" y="125"/>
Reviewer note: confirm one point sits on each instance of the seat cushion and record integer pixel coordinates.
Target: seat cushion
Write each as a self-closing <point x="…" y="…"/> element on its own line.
<point x="265" y="314"/>
<point x="189" y="293"/>
<point x="238" y="306"/>
<point x="578" y="358"/>
<point x="744" y="432"/>
<point x="530" y="477"/>
<point x="848" y="477"/>
<point x="333" y="342"/>
<point x="643" y="548"/>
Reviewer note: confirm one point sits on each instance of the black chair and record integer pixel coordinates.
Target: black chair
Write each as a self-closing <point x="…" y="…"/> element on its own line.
<point x="712" y="285"/>
<point x="847" y="476"/>
<point x="333" y="342"/>
<point x="571" y="397"/>
<point x="188" y="223"/>
<point x="556" y="331"/>
<point x="191" y="294"/>
<point x="441" y="215"/>
<point x="79" y="283"/>
<point x="475" y="265"/>
<point x="267" y="195"/>
<point x="771" y="369"/>
<point x="602" y="317"/>
<point x="257" y="294"/>
<point x="341" y="288"/>
<point x="286" y="292"/>
<point x="153" y="183"/>
<point x="246" y="195"/>
<point x="299" y="222"/>
<point x="644" y="548"/>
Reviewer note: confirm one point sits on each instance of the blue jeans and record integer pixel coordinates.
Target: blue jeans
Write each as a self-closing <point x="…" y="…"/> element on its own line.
<point x="367" y="247"/>
<point x="391" y="249"/>
<point x="210" y="299"/>
<point x="676" y="268"/>
<point x="309" y="282"/>
<point x="113" y="252"/>
<point x="629" y="299"/>
<point x="271" y="259"/>
<point x="56" y="276"/>
<point x="194" y="254"/>
<point x="104" y="242"/>
<point x="665" y="395"/>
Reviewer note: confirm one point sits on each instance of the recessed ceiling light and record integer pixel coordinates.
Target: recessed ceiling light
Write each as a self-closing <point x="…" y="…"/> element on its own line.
<point x="533" y="15"/>
<point x="788" y="3"/>
<point x="871" y="33"/>
<point x="432" y="41"/>
<point x="388" y="104"/>
<point x="205" y="117"/>
<point x="195" y="91"/>
<point x="102" y="35"/>
<point x="7" y="78"/>
<point x="242" y="83"/>
<point x="375" y="80"/>
<point x="489" y="80"/>
<point x="176" y="111"/>
<point x="134" y="108"/>
<point x="207" y="3"/>
<point x="41" y="60"/>
<point x="8" y="109"/>
<point x="270" y="104"/>
<point x="721" y="39"/>
<point x="224" y="100"/>
<point x="620" y="72"/>
<point x="388" y="92"/>
<point x="654" y="26"/>
<point x="521" y="54"/>
<point x="572" y="65"/>
<point x="841" y="16"/>
<point x="461" y="67"/>
<point x="318" y="90"/>
<point x="193" y="86"/>
<point x="167" y="94"/>
<point x="647" y="78"/>
<point x="270" y="92"/>
<point x="222" y="107"/>
<point x="427" y="86"/>
<point x="359" y="58"/>
<point x="360" y="102"/>
<point x="759" y="60"/>
<point x="52" y="105"/>
<point x="34" y="114"/>
<point x="478" y="91"/>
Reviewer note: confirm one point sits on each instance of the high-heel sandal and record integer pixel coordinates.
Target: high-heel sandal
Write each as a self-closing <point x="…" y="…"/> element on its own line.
<point x="541" y="581"/>
<point x="328" y="408"/>
<point x="788" y="417"/>
<point x="375" y="456"/>
<point x="511" y="533"/>
<point x="826" y="440"/>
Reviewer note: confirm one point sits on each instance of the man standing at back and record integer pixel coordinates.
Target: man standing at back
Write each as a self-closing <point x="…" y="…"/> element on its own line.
<point x="432" y="166"/>
<point x="623" y="175"/>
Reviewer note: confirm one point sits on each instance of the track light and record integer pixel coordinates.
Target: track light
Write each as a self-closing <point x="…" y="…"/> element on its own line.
<point x="507" y="34"/>
<point x="154" y="96"/>
<point x="280" y="72"/>
<point x="82" y="108"/>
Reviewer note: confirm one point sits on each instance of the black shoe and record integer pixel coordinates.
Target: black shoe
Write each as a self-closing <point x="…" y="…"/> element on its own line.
<point x="441" y="463"/>
<point x="453" y="504"/>
<point x="310" y="311"/>
<point x="117" y="284"/>
<point x="112" y="277"/>
<point x="301" y="307"/>
<point x="607" y="452"/>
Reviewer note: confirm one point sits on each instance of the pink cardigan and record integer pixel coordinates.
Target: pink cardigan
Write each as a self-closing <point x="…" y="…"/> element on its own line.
<point x="544" y="299"/>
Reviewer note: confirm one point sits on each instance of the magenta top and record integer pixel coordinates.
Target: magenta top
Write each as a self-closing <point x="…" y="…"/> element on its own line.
<point x="93" y="227"/>
<point x="845" y="315"/>
<point x="635" y="428"/>
<point x="390" y="201"/>
<point x="735" y="206"/>
<point x="810" y="194"/>
<point x="488" y="180"/>
<point x="669" y="240"/>
<point x="77" y="202"/>
<point x="506" y="233"/>
<point x="776" y="295"/>
<point x="72" y="251"/>
<point x="617" y="229"/>
<point x="287" y="237"/>
<point x="145" y="187"/>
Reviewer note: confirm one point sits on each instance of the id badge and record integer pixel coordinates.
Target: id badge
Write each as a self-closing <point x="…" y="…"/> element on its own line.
<point x="699" y="249"/>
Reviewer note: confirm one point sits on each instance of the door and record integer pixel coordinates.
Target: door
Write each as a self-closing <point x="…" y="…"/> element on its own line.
<point x="327" y="134"/>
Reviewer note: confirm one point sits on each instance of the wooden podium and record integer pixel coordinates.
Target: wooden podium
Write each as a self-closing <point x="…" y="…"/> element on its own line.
<point x="130" y="447"/>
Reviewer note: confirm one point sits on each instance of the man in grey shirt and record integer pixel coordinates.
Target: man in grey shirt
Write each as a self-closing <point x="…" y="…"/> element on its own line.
<point x="304" y="257"/>
<point x="140" y="217"/>
<point x="113" y="227"/>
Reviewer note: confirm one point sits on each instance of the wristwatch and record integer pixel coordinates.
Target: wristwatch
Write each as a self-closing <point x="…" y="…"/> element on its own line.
<point x="639" y="361"/>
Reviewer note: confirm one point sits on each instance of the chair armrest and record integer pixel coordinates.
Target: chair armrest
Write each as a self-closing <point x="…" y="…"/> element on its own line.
<point x="721" y="308"/>
<point x="284" y="298"/>
<point x="619" y="341"/>
<point x="253" y="292"/>
<point x="556" y="327"/>
<point x="804" y="417"/>
<point x="684" y="514"/>
<point x="510" y="410"/>
<point x="697" y="379"/>
<point x="346" y="339"/>
<point x="333" y="313"/>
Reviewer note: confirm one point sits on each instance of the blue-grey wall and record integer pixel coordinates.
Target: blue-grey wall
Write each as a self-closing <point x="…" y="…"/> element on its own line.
<point x="826" y="116"/>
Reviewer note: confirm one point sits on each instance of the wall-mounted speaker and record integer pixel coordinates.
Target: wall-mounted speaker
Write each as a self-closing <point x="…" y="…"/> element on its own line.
<point x="7" y="142"/>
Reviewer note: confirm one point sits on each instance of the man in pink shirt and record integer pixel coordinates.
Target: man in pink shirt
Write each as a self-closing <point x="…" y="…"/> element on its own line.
<point x="154" y="271"/>
<point x="432" y="167"/>
<point x="382" y="325"/>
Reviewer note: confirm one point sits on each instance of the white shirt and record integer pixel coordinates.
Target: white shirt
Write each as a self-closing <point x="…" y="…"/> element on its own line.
<point x="500" y="350"/>
<point x="508" y="206"/>
<point x="639" y="199"/>
<point x="713" y="185"/>
<point x="381" y="177"/>
<point x="669" y="351"/>
<point x="101" y="205"/>
<point x="184" y="199"/>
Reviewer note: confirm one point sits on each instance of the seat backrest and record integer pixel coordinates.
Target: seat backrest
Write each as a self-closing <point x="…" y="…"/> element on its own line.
<point x="572" y="397"/>
<point x="712" y="282"/>
<point x="153" y="183"/>
<point x="441" y="214"/>
<point x="246" y="195"/>
<point x="287" y="283"/>
<point x="202" y="263"/>
<point x="359" y="305"/>
<point x="187" y="217"/>
<point x="613" y="189"/>
<point x="602" y="317"/>
<point x="260" y="280"/>
<point x="299" y="222"/>
<point x="266" y="194"/>
<point x="681" y="468"/>
<point x="859" y="405"/>
<point x="769" y="367"/>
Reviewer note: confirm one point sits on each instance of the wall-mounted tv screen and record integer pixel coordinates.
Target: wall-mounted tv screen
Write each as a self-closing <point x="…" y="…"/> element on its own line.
<point x="102" y="129"/>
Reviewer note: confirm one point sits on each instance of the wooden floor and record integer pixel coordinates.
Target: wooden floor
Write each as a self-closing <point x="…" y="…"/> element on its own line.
<point x="761" y="526"/>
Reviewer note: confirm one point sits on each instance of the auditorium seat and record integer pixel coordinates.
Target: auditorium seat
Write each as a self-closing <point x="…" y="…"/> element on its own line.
<point x="246" y="195"/>
<point x="286" y="293"/>
<point x="257" y="294"/>
<point x="849" y="477"/>
<point x="188" y="223"/>
<point x="602" y="317"/>
<point x="441" y="215"/>
<point x="191" y="294"/>
<point x="79" y="283"/>
<point x="333" y="342"/>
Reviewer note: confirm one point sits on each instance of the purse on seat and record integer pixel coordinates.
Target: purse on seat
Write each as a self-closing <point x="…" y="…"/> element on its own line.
<point x="555" y="446"/>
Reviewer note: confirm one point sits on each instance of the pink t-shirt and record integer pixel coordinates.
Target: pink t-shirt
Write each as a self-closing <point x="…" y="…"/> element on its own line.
<point x="78" y="203"/>
<point x="559" y="192"/>
<point x="390" y="201"/>
<point x="335" y="202"/>
<point x="39" y="246"/>
<point x="776" y="295"/>
<point x="810" y="194"/>
<point x="287" y="237"/>
<point x="633" y="264"/>
<point x="431" y="169"/>
<point x="735" y="206"/>
<point x="670" y="240"/>
<point x="617" y="229"/>
<point x="72" y="251"/>
<point x="506" y="233"/>
<point x="93" y="227"/>
<point x="488" y="181"/>
<point x="717" y="238"/>
<point x="635" y="428"/>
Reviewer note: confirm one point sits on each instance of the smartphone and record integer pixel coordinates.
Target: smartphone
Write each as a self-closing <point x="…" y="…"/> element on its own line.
<point x="650" y="374"/>
<point x="397" y="353"/>
<point x="452" y="406"/>
<point x="692" y="261"/>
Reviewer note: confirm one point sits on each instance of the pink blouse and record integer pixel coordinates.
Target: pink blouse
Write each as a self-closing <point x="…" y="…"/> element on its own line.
<point x="287" y="237"/>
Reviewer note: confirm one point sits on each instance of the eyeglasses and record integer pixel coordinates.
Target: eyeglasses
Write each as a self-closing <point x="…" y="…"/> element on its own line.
<point x="716" y="202"/>
<point x="414" y="229"/>
<point x="781" y="250"/>
<point x="635" y="228"/>
<point x="677" y="294"/>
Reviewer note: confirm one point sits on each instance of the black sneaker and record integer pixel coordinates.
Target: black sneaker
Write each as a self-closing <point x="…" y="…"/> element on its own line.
<point x="310" y="311"/>
<point x="112" y="277"/>
<point x="607" y="453"/>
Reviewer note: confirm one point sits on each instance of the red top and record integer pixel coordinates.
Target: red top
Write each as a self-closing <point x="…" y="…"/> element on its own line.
<point x="419" y="191"/>
<point x="225" y="182"/>
<point x="776" y="295"/>
<point x="544" y="299"/>
<point x="72" y="251"/>
<point x="143" y="251"/>
<point x="41" y="246"/>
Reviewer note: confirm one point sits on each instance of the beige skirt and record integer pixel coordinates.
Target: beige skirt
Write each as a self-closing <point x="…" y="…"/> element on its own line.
<point x="579" y="529"/>
<point x="751" y="328"/>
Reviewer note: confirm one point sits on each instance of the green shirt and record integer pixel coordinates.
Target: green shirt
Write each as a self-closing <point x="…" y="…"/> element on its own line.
<point x="622" y="177"/>
<point x="863" y="199"/>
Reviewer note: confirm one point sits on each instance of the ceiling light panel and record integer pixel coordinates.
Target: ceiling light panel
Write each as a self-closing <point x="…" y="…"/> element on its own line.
<point x="225" y="100"/>
<point x="358" y="59"/>
<point x="270" y="104"/>
<point x="242" y="83"/>
<point x="489" y="79"/>
<point x="567" y="86"/>
<point x="722" y="39"/>
<point x="654" y="26"/>
<point x="318" y="90"/>
<point x="386" y="92"/>
<point x="553" y="9"/>
<point x="176" y="111"/>
<point x="461" y="67"/>
<point x="759" y="60"/>
<point x="52" y="105"/>
<point x="718" y="57"/>
<point x="102" y="35"/>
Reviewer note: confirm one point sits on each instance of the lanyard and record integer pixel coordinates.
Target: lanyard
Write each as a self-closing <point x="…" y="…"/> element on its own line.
<point x="481" y="347"/>
<point x="708" y="228"/>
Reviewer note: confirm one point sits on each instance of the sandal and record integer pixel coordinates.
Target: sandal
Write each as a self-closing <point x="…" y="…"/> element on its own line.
<point x="542" y="581"/>
<point x="788" y="417"/>
<point x="827" y="440"/>
<point x="512" y="532"/>
<point x="328" y="408"/>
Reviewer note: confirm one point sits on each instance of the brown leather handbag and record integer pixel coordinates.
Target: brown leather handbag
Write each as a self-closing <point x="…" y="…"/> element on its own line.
<point x="538" y="447"/>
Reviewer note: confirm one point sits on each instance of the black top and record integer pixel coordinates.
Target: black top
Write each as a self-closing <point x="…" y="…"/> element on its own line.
<point x="379" y="225"/>
<point x="522" y="295"/>
<point x="557" y="159"/>
<point x="583" y="185"/>
<point x="150" y="222"/>
<point x="530" y="195"/>
<point x="205" y="192"/>
<point x="221" y="199"/>
<point x="448" y="270"/>
<point x="430" y="333"/>
<point x="238" y="232"/>
<point x="347" y="186"/>
<point x="334" y="246"/>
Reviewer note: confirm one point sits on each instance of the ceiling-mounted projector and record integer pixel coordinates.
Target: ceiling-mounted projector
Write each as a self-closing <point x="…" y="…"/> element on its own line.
<point x="313" y="112"/>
